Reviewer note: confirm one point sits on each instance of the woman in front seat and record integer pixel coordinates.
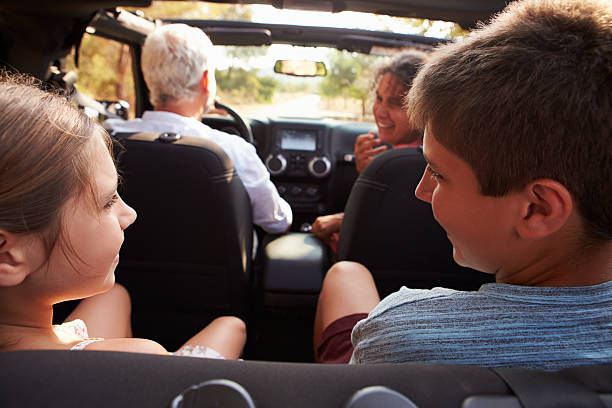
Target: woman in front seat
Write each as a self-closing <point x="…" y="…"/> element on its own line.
<point x="393" y="81"/>
<point x="61" y="229"/>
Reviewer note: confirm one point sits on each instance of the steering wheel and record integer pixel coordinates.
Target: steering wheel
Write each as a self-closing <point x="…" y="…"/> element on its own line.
<point x="243" y="127"/>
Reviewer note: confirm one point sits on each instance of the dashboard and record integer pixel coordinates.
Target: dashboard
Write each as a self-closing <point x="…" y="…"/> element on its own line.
<point x="311" y="162"/>
<point x="298" y="159"/>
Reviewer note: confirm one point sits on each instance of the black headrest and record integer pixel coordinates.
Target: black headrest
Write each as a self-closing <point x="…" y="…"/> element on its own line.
<point x="393" y="233"/>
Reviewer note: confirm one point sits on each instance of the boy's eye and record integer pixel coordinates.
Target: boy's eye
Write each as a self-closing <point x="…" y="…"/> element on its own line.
<point x="434" y="173"/>
<point x="112" y="201"/>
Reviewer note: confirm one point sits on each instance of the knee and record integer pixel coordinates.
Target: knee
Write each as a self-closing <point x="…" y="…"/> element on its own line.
<point x="345" y="271"/>
<point x="233" y="324"/>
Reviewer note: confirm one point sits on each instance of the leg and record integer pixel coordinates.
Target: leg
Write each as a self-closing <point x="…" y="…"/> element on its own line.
<point x="107" y="314"/>
<point x="225" y="334"/>
<point x="348" y="288"/>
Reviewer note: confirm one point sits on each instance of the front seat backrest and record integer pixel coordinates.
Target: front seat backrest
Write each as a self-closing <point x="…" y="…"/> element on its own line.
<point x="394" y="234"/>
<point x="187" y="258"/>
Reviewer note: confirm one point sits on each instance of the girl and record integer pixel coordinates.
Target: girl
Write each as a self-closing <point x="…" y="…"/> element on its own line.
<point x="61" y="228"/>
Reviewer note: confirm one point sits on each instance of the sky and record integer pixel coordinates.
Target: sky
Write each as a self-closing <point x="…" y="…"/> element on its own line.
<point x="345" y="19"/>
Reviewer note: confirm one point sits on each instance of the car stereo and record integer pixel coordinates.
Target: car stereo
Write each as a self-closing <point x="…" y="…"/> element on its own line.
<point x="298" y="152"/>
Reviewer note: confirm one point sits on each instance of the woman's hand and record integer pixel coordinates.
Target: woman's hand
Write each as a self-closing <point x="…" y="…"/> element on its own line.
<point x="366" y="147"/>
<point x="326" y="225"/>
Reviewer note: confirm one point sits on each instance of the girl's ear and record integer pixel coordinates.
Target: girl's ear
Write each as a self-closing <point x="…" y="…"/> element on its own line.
<point x="547" y="207"/>
<point x="13" y="265"/>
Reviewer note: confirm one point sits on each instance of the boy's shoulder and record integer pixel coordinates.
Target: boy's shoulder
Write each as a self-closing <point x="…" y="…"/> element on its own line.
<point x="490" y="295"/>
<point x="414" y="297"/>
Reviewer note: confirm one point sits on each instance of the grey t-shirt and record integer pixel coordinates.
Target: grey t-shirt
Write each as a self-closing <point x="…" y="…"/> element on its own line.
<point x="500" y="325"/>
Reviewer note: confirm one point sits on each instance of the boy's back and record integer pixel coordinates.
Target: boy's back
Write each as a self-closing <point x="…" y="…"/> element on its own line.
<point x="500" y="325"/>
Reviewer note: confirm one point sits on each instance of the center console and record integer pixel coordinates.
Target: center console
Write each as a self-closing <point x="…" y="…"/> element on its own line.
<point x="299" y="161"/>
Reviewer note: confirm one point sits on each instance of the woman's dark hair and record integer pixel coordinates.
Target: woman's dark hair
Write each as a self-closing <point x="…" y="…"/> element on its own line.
<point x="404" y="66"/>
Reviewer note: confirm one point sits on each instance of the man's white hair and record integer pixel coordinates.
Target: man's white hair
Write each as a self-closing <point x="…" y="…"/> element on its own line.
<point x="174" y="58"/>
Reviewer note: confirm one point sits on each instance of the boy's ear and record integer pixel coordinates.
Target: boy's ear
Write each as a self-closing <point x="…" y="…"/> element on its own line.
<point x="547" y="207"/>
<point x="13" y="265"/>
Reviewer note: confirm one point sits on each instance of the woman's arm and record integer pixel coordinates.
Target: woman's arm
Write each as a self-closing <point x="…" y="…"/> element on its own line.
<point x="365" y="149"/>
<point x="325" y="225"/>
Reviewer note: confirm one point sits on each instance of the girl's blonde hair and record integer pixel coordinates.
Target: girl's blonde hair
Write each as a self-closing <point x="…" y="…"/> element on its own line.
<point x="45" y="158"/>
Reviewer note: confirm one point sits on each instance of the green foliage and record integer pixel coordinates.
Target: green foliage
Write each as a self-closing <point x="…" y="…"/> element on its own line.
<point x="238" y="83"/>
<point x="104" y="71"/>
<point x="230" y="12"/>
<point x="349" y="75"/>
<point x="267" y="86"/>
<point x="241" y="55"/>
<point x="195" y="10"/>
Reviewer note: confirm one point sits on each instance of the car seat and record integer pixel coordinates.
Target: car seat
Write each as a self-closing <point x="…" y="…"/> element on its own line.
<point x="394" y="234"/>
<point x="187" y="258"/>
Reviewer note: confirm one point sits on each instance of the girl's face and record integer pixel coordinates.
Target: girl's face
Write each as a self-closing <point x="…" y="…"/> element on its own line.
<point x="92" y="235"/>
<point x="391" y="119"/>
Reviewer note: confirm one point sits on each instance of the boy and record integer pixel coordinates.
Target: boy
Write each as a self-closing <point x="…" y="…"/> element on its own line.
<point x="518" y="125"/>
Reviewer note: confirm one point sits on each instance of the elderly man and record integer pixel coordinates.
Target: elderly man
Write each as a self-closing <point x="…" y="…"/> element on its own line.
<point x="179" y="72"/>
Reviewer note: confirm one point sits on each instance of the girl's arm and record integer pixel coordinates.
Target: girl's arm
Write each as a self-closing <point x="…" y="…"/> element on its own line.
<point x="128" y="345"/>
<point x="107" y="314"/>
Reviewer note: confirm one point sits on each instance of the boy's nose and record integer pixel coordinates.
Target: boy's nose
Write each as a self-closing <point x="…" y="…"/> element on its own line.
<point x="424" y="189"/>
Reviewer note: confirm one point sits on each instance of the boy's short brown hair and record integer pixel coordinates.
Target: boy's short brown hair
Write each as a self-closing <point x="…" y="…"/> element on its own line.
<point x="529" y="96"/>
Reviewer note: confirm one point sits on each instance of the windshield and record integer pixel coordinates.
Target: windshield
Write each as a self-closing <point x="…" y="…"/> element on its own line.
<point x="246" y="79"/>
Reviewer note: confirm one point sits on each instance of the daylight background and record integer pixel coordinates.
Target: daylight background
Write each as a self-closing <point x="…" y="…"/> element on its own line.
<point x="245" y="77"/>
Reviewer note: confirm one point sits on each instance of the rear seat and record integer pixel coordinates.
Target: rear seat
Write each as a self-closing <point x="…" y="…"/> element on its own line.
<point x="112" y="379"/>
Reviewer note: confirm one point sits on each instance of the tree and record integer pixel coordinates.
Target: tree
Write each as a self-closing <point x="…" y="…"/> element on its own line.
<point x="240" y="56"/>
<point x="95" y="78"/>
<point x="230" y="12"/>
<point x="267" y="87"/>
<point x="244" y="85"/>
<point x="349" y="75"/>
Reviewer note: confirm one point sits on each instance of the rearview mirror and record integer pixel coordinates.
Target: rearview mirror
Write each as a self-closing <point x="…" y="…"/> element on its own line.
<point x="303" y="68"/>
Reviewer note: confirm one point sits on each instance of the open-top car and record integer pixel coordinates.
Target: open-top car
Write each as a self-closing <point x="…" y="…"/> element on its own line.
<point x="301" y="94"/>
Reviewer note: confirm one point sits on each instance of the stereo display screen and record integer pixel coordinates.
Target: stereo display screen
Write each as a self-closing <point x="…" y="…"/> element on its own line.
<point x="292" y="139"/>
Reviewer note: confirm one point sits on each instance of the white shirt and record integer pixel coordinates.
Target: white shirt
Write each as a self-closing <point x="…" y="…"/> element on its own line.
<point x="270" y="211"/>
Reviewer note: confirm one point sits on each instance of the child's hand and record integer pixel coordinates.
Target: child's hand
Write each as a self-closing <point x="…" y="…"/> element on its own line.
<point x="366" y="147"/>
